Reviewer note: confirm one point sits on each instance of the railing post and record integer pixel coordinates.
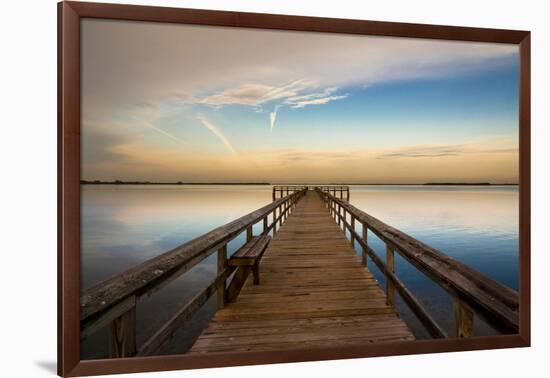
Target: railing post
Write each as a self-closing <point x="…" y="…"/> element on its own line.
<point x="281" y="215"/>
<point x="122" y="335"/>
<point x="274" y="221"/>
<point x="352" y="232"/>
<point x="249" y="233"/>
<point x="222" y="262"/>
<point x="464" y="319"/>
<point x="390" y="265"/>
<point x="339" y="215"/>
<point x="365" y="239"/>
<point x="265" y="223"/>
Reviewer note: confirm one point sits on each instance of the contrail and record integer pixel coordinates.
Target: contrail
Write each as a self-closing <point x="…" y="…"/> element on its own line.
<point x="157" y="129"/>
<point x="215" y="131"/>
<point x="164" y="132"/>
<point x="273" y="117"/>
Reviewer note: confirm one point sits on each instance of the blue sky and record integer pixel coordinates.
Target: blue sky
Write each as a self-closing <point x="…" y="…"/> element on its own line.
<point x="200" y="104"/>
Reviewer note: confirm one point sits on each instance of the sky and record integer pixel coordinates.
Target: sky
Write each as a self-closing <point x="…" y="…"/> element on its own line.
<point x="168" y="102"/>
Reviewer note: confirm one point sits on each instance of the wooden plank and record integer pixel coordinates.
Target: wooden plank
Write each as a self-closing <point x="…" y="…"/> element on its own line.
<point x="314" y="292"/>
<point x="251" y="251"/>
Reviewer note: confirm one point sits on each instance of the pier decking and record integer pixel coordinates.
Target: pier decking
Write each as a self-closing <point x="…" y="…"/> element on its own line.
<point x="314" y="292"/>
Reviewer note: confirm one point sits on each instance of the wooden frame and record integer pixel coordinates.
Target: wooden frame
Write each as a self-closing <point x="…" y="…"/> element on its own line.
<point x="69" y="15"/>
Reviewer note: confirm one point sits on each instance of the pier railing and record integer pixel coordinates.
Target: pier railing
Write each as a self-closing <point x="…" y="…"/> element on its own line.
<point x="113" y="302"/>
<point x="471" y="291"/>
<point x="280" y="191"/>
<point x="338" y="191"/>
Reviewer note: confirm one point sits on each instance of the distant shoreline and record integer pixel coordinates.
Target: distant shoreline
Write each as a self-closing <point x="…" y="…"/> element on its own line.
<point x="118" y="182"/>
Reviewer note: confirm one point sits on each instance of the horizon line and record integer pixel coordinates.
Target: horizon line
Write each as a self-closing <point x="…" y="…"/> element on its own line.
<point x="139" y="182"/>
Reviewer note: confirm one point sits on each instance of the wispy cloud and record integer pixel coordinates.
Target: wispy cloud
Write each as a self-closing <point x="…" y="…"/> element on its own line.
<point x="315" y="98"/>
<point x="442" y="151"/>
<point x="217" y="132"/>
<point x="296" y="94"/>
<point x="253" y="94"/>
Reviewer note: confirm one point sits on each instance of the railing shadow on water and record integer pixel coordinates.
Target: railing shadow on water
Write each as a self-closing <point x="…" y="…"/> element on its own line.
<point x="112" y="303"/>
<point x="471" y="292"/>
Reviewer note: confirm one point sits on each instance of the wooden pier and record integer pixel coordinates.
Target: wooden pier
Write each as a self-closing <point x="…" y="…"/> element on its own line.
<point x="309" y="287"/>
<point x="314" y="291"/>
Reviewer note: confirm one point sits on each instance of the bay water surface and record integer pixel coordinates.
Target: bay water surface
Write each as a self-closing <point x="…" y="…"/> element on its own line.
<point x="124" y="225"/>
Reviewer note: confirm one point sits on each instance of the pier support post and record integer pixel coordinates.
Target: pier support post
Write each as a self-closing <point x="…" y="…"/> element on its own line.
<point x="222" y="262"/>
<point x="352" y="231"/>
<point x="390" y="265"/>
<point x="122" y="335"/>
<point x="365" y="239"/>
<point x="464" y="319"/>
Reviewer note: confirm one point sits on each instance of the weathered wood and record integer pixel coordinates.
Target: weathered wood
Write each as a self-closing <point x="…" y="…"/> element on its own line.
<point x="122" y="335"/>
<point x="497" y="303"/>
<point x="265" y="223"/>
<point x="274" y="222"/>
<point x="338" y="191"/>
<point x="288" y="189"/>
<point x="365" y="239"/>
<point x="149" y="276"/>
<point x="166" y="332"/>
<point x="463" y="318"/>
<point x="88" y="328"/>
<point x="352" y="234"/>
<point x="249" y="233"/>
<point x="250" y="255"/>
<point x="296" y="305"/>
<point x="222" y="263"/>
<point x="390" y="288"/>
<point x="414" y="304"/>
<point x="252" y="251"/>
<point x="237" y="282"/>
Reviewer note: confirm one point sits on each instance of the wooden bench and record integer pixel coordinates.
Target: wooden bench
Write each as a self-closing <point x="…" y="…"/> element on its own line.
<point x="249" y="255"/>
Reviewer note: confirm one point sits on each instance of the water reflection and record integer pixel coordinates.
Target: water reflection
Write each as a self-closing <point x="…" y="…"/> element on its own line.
<point x="125" y="225"/>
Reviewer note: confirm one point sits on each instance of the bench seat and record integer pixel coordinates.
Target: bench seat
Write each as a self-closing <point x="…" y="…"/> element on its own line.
<point x="250" y="255"/>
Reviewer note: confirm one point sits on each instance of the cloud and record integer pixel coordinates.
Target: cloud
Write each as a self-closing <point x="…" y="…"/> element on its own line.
<point x="317" y="101"/>
<point x="443" y="151"/>
<point x="207" y="124"/>
<point x="296" y="94"/>
<point x="165" y="60"/>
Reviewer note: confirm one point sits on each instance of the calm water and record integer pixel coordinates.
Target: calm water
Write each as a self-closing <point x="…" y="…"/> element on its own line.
<point x="125" y="225"/>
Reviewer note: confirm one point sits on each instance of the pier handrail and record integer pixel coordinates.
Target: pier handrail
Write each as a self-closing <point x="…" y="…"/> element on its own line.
<point x="285" y="190"/>
<point x="471" y="290"/>
<point x="113" y="301"/>
<point x="339" y="191"/>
